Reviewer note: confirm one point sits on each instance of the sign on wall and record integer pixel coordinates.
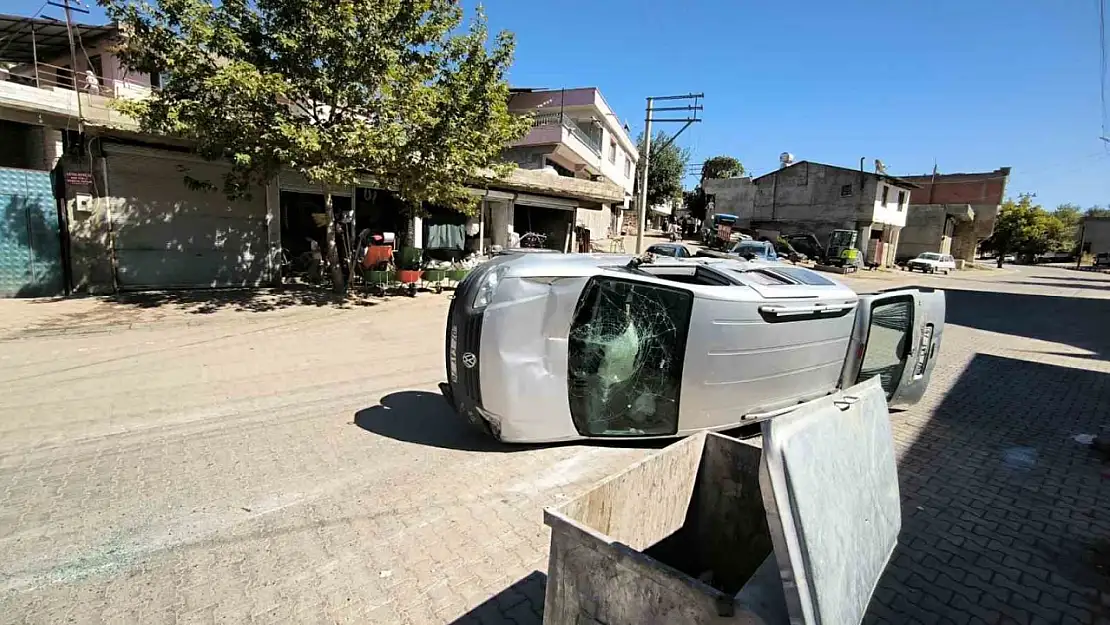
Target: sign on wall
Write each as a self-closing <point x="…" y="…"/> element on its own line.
<point x="76" y="178"/>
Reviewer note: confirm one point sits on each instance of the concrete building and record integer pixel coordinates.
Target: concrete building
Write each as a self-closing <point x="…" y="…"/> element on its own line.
<point x="733" y="196"/>
<point x="1096" y="235"/>
<point x="818" y="199"/>
<point x="103" y="208"/>
<point x="576" y="134"/>
<point x="953" y="213"/>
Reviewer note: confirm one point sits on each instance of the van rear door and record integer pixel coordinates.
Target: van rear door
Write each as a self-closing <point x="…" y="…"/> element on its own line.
<point x="896" y="337"/>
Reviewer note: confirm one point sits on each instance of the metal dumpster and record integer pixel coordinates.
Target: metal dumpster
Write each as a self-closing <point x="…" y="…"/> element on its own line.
<point x="795" y="528"/>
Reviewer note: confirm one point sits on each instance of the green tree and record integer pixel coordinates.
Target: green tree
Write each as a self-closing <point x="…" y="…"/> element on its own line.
<point x="697" y="201"/>
<point x="668" y="164"/>
<point x="1027" y="229"/>
<point x="1097" y="211"/>
<point x="721" y="167"/>
<point x="332" y="89"/>
<point x="1070" y="217"/>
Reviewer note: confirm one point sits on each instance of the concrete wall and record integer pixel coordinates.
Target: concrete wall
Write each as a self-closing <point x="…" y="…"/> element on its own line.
<point x="984" y="191"/>
<point x="893" y="211"/>
<point x="735" y="196"/>
<point x="1096" y="233"/>
<point x="928" y="229"/>
<point x="598" y="221"/>
<point x="809" y="197"/>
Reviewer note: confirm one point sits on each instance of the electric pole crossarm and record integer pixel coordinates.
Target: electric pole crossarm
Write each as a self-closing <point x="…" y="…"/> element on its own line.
<point x="679" y="108"/>
<point x="692" y="110"/>
<point x="688" y="96"/>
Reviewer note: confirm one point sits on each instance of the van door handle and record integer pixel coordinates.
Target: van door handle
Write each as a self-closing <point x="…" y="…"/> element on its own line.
<point x="804" y="310"/>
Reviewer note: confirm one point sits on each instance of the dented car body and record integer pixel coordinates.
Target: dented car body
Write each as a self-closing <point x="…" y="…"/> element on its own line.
<point x="547" y="348"/>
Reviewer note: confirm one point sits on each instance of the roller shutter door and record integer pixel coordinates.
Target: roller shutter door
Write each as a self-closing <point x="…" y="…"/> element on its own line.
<point x="168" y="235"/>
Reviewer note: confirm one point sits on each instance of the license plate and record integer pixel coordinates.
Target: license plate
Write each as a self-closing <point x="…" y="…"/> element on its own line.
<point x="452" y="365"/>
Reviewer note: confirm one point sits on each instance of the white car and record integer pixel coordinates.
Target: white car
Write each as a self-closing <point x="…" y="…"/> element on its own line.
<point x="932" y="262"/>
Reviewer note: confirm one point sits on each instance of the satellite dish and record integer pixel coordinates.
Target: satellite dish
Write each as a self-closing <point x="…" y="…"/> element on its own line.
<point x="786" y="159"/>
<point x="880" y="168"/>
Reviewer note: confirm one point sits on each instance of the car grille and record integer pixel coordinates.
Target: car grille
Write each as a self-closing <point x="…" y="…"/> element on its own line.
<point x="467" y="326"/>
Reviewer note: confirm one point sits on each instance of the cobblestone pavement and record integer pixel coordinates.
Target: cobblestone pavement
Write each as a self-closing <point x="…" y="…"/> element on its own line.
<point x="280" y="458"/>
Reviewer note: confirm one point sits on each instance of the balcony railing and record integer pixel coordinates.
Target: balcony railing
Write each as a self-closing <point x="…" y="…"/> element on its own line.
<point x="559" y="119"/>
<point x="46" y="76"/>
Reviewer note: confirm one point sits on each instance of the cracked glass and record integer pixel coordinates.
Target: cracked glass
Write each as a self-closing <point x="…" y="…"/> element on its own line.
<point x="625" y="358"/>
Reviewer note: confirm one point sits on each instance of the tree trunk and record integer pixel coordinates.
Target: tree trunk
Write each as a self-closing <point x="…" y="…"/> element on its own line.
<point x="332" y="252"/>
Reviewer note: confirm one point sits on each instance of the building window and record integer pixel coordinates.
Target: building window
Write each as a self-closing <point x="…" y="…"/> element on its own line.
<point x="627" y="167"/>
<point x="886" y="195"/>
<point x="613" y="152"/>
<point x="901" y="200"/>
<point x="845" y="190"/>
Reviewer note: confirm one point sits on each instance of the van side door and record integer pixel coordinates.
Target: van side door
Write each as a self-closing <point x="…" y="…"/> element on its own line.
<point x="896" y="337"/>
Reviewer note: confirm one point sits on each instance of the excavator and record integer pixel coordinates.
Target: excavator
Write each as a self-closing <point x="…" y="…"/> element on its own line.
<point x="840" y="252"/>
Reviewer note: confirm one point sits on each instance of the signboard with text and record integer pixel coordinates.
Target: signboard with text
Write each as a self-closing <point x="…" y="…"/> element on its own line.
<point x="78" y="178"/>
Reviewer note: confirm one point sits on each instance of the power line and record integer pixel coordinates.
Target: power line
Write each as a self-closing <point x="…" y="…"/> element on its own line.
<point x="1103" y="71"/>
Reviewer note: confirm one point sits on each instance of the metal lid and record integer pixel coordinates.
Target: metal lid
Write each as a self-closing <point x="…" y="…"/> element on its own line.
<point x="830" y="487"/>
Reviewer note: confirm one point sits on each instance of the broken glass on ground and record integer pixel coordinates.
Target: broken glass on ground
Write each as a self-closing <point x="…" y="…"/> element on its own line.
<point x="626" y="352"/>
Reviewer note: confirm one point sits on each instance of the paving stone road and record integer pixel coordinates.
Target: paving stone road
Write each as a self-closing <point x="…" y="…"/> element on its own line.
<point x="199" y="458"/>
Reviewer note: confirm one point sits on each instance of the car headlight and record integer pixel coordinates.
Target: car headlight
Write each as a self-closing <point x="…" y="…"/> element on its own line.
<point x="484" y="295"/>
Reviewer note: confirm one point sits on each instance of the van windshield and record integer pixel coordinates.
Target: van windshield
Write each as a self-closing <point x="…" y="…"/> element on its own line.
<point x="625" y="356"/>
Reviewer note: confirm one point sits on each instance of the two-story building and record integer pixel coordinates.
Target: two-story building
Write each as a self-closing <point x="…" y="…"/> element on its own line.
<point x="808" y="197"/>
<point x="953" y="213"/>
<point x="102" y="207"/>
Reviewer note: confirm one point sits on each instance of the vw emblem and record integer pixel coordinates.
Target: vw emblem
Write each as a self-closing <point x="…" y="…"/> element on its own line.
<point x="469" y="360"/>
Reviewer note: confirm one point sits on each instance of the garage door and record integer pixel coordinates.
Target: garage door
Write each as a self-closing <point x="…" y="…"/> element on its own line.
<point x="172" y="235"/>
<point x="30" y="247"/>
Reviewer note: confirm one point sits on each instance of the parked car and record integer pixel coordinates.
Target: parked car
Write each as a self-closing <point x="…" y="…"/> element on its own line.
<point x="674" y="250"/>
<point x="1009" y="258"/>
<point x="545" y="348"/>
<point x="1102" y="259"/>
<point x="755" y="250"/>
<point x="932" y="262"/>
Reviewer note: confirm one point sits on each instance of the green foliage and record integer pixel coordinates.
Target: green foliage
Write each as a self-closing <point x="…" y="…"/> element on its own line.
<point x="696" y="202"/>
<point x="668" y="164"/>
<point x="722" y="167"/>
<point x="332" y="89"/>
<point x="1028" y="229"/>
<point x="1097" y="211"/>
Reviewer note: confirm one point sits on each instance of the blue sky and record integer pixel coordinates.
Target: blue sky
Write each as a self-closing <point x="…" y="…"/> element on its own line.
<point x="975" y="85"/>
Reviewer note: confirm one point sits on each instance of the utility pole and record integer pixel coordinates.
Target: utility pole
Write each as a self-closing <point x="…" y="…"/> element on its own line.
<point x="690" y="118"/>
<point x="73" y="58"/>
<point x="642" y="208"/>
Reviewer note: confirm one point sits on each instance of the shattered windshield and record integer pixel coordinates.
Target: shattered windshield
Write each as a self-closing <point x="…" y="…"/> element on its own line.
<point x="627" y="345"/>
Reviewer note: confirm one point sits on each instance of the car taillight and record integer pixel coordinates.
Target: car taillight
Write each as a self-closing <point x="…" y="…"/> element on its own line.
<point x="923" y="351"/>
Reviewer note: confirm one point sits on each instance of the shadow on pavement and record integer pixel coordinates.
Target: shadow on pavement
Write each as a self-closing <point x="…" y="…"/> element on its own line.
<point x="1077" y="321"/>
<point x="1003" y="510"/>
<point x="519" y="604"/>
<point x="243" y="300"/>
<point x="426" y="418"/>
<point x="1055" y="283"/>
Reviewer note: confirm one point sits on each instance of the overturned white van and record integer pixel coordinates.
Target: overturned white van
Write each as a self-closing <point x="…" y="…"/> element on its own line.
<point x="546" y="348"/>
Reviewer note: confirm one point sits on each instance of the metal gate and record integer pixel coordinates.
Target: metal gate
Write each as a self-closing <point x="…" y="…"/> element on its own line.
<point x="30" y="242"/>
